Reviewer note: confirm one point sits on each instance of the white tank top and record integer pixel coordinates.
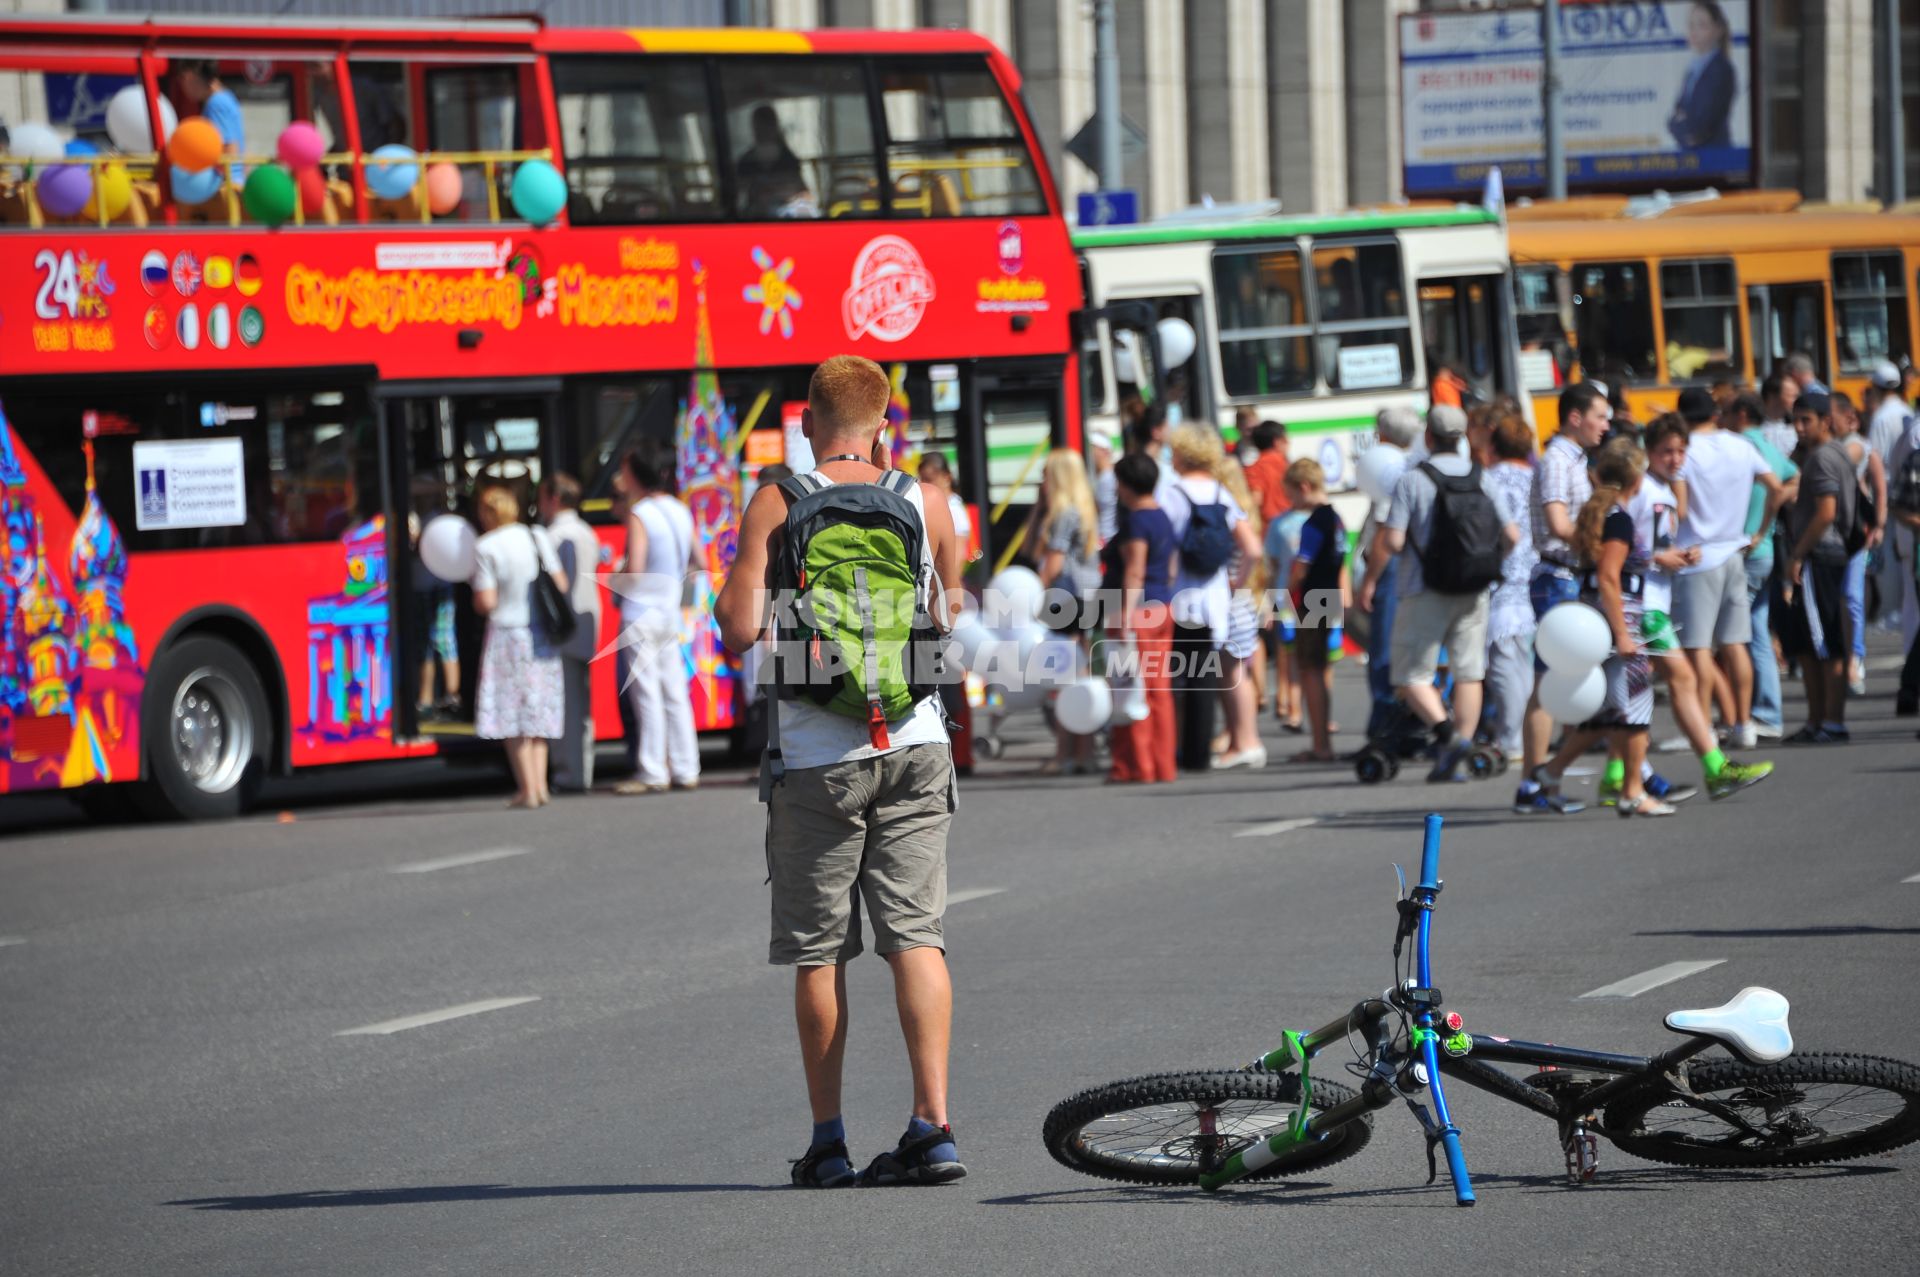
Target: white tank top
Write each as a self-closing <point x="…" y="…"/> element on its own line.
<point x="651" y="591"/>
<point x="814" y="737"/>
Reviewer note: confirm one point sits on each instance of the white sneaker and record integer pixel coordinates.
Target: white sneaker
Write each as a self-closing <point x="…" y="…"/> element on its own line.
<point x="1767" y="731"/>
<point x="1743" y="737"/>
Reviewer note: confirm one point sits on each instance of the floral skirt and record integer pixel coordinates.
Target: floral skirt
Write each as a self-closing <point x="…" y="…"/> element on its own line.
<point x="522" y="690"/>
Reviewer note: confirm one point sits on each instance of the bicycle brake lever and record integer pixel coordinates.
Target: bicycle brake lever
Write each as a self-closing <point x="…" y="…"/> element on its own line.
<point x="1401" y="874"/>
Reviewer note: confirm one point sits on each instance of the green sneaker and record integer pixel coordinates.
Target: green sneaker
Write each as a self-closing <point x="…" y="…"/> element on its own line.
<point x="1735" y="777"/>
<point x="1606" y="795"/>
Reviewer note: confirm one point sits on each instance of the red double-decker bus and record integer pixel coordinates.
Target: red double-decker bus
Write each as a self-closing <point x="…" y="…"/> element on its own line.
<point x="217" y="436"/>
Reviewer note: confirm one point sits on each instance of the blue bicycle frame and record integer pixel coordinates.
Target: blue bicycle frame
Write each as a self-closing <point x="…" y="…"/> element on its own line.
<point x="1393" y="1075"/>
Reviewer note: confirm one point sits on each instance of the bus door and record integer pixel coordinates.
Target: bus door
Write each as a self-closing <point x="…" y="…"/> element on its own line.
<point x="1786" y="318"/>
<point x="1460" y="323"/>
<point x="1021" y="415"/>
<point x="447" y="442"/>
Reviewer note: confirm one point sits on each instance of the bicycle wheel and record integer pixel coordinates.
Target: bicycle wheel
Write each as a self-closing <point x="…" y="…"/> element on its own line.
<point x="1804" y="1109"/>
<point x="1168" y="1127"/>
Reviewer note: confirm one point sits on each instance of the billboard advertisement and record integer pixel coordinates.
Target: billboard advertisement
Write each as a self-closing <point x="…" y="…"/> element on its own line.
<point x="1652" y="95"/>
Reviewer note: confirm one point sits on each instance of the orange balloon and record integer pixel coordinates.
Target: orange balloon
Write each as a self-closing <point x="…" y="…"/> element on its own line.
<point x="195" y="145"/>
<point x="444" y="190"/>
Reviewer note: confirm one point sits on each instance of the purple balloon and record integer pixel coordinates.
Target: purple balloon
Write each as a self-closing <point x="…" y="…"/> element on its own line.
<point x="64" y="189"/>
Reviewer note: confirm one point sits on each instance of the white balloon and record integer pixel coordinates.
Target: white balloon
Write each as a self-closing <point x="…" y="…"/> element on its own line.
<point x="1126" y="367"/>
<point x="1083" y="708"/>
<point x="1573" y="697"/>
<point x="973" y="639"/>
<point x="36" y="141"/>
<point x="1370" y="473"/>
<point x="1012" y="600"/>
<point x="1573" y="637"/>
<point x="447" y="548"/>
<point x="1177" y="340"/>
<point x="1052" y="660"/>
<point x="127" y="122"/>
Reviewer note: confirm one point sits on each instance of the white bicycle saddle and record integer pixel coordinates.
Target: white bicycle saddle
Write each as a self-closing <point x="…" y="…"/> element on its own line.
<point x="1753" y="1025"/>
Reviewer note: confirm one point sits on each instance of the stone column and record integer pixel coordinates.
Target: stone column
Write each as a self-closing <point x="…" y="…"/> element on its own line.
<point x="1306" y="104"/>
<point x="1373" y="99"/>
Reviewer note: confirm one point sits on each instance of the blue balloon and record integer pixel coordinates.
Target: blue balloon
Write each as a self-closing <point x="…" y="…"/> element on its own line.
<point x="80" y="146"/>
<point x="392" y="171"/>
<point x="538" y="192"/>
<point x="191" y="187"/>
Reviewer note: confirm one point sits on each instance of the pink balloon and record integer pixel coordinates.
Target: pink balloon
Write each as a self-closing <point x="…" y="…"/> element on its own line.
<point x="444" y="190"/>
<point x="301" y="145"/>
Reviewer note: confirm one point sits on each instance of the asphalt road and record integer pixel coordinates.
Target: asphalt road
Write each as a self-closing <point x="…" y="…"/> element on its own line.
<point x="180" y="1092"/>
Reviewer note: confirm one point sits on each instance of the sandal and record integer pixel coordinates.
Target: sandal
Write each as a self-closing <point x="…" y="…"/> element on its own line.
<point x="1312" y="756"/>
<point x="1645" y="805"/>
<point x="807" y="1172"/>
<point x="908" y="1163"/>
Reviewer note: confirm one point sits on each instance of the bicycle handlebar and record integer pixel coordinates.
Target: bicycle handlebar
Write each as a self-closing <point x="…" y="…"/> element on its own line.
<point x="1448" y="1134"/>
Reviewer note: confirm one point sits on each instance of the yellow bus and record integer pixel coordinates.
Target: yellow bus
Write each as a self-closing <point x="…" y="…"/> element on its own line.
<point x="1696" y="294"/>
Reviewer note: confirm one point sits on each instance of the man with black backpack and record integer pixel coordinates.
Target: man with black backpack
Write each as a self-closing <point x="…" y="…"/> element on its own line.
<point x="1449" y="539"/>
<point x="847" y="562"/>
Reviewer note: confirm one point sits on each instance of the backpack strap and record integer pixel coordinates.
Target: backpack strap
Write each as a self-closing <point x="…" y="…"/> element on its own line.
<point x="898" y="482"/>
<point x="876" y="715"/>
<point x="801" y="485"/>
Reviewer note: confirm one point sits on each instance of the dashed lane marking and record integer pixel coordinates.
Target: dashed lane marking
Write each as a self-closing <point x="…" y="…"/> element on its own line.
<point x="456" y="862"/>
<point x="1915" y="878"/>
<point x="972" y="893"/>
<point x="1273" y="827"/>
<point x="7" y="940"/>
<point x="425" y="1018"/>
<point x="1635" y="985"/>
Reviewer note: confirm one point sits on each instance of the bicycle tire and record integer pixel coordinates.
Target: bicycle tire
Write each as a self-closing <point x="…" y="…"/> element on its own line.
<point x="1268" y="1100"/>
<point x="1787" y="1100"/>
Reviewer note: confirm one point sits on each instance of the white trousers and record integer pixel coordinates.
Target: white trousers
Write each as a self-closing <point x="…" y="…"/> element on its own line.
<point x="658" y="695"/>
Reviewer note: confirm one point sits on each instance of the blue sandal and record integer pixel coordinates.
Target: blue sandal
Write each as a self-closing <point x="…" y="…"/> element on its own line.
<point x="807" y="1172"/>
<point x="910" y="1162"/>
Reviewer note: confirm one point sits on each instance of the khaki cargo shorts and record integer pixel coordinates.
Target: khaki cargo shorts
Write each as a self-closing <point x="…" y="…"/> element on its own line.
<point x="874" y="829"/>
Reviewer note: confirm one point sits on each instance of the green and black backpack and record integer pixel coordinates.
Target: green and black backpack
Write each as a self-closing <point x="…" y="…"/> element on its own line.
<point x="853" y="622"/>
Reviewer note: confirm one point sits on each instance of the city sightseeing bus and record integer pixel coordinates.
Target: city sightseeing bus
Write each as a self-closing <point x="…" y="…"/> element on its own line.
<point x="219" y="435"/>
<point x="1315" y="321"/>
<point x="1649" y="297"/>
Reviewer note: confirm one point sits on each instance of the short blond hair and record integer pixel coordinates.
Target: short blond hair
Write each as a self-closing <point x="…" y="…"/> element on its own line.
<point x="498" y="501"/>
<point x="1196" y="447"/>
<point x="1307" y="475"/>
<point x="848" y="394"/>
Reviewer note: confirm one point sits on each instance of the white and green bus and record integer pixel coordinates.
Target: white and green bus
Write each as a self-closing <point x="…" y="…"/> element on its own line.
<point x="1314" y="321"/>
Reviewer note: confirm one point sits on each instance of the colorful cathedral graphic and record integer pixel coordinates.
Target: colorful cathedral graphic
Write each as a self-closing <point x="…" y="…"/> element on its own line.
<point x="349" y="682"/>
<point x="709" y="473"/>
<point x="70" y="675"/>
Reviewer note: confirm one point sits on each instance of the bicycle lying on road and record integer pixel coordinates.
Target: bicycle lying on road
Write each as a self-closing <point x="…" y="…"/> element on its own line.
<point x="1765" y="1106"/>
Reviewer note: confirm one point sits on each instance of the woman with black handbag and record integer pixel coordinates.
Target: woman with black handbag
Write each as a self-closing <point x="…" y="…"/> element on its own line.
<point x="521" y="697"/>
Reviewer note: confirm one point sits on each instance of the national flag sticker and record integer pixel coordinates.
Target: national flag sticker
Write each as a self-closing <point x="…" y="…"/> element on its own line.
<point x="253" y="326"/>
<point x="187" y="327"/>
<point x="153" y="272"/>
<point x="186" y="273"/>
<point x="220" y="326"/>
<point x="246" y="274"/>
<point x="159" y="328"/>
<point x="219" y="272"/>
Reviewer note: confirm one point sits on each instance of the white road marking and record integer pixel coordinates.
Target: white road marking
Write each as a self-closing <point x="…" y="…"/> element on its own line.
<point x="7" y="940"/>
<point x="972" y="893"/>
<point x="1272" y="827"/>
<point x="1635" y="985"/>
<point x="1915" y="878"/>
<point x="406" y="1022"/>
<point x="455" y="862"/>
<point x="1881" y="664"/>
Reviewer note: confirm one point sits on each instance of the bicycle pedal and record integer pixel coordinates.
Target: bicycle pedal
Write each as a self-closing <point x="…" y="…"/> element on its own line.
<point x="1582" y="1149"/>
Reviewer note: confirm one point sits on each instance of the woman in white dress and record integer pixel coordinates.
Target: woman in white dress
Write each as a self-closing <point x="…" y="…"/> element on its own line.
<point x="522" y="695"/>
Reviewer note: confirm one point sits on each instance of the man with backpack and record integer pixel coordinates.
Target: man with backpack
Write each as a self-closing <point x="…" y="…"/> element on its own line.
<point x="842" y="567"/>
<point x="1446" y="531"/>
<point x="1822" y="528"/>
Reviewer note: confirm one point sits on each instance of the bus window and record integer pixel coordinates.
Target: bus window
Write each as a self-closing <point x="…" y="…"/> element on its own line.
<point x="1699" y="303"/>
<point x="1266" y="343"/>
<point x="1869" y="310"/>
<point x="474" y="109"/>
<point x="953" y="148"/>
<point x="1543" y="314"/>
<point x="1366" y="338"/>
<point x="638" y="140"/>
<point x="1459" y="325"/>
<point x="1613" y="323"/>
<point x="802" y="138"/>
<point x="1787" y="319"/>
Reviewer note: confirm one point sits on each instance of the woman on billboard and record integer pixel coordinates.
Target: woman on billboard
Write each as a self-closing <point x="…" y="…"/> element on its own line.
<point x="1700" y="113"/>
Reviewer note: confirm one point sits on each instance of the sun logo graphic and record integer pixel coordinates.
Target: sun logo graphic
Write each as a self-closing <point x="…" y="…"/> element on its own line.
<point x="775" y="293"/>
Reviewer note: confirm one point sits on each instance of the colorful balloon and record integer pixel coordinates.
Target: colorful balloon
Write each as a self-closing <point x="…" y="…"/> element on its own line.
<point x="269" y="194"/>
<point x="80" y="146"/>
<point x="392" y="170"/>
<point x="301" y="145"/>
<point x="127" y="122"/>
<point x="195" y="145"/>
<point x="194" y="188"/>
<point x="538" y="192"/>
<point x="64" y="189"/>
<point x="113" y="186"/>
<point x="444" y="188"/>
<point x="313" y="191"/>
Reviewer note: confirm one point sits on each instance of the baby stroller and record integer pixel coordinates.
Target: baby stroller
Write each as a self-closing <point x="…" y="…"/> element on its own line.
<point x="1401" y="735"/>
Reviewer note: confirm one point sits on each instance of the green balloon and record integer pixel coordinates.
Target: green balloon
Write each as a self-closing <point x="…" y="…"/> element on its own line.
<point x="269" y="195"/>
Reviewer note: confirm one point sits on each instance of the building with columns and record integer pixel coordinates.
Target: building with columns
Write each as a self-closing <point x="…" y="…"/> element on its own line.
<point x="1257" y="99"/>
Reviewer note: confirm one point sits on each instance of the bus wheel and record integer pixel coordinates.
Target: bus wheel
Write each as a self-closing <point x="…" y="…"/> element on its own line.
<point x="207" y="732"/>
